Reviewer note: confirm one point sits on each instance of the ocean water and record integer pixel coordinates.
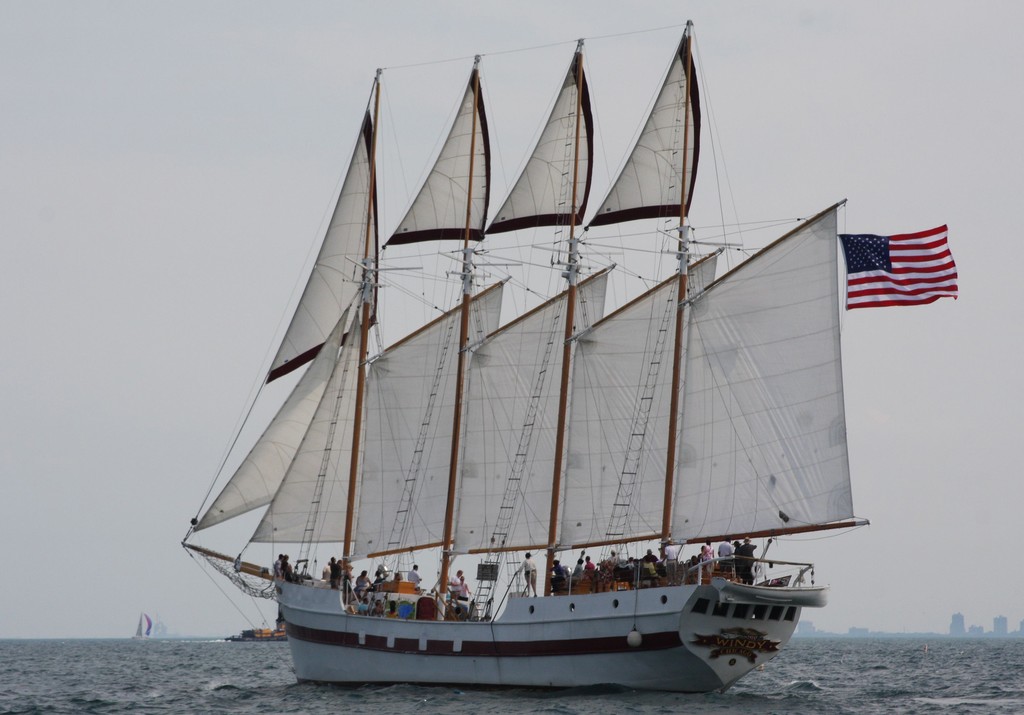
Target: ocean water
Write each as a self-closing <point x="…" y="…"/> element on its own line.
<point x="813" y="676"/>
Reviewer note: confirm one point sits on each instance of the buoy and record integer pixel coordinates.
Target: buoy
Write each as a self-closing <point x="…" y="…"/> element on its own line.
<point x="634" y="639"/>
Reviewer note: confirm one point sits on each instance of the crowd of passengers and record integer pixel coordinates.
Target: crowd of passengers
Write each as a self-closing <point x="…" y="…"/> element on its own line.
<point x="733" y="560"/>
<point x="364" y="595"/>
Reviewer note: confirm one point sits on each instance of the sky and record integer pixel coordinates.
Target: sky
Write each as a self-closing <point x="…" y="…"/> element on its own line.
<point x="166" y="169"/>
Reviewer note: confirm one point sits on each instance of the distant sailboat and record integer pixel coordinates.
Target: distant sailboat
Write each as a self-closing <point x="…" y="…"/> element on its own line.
<point x="701" y="410"/>
<point x="145" y="627"/>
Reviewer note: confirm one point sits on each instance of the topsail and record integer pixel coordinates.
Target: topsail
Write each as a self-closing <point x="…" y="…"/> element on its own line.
<point x="334" y="282"/>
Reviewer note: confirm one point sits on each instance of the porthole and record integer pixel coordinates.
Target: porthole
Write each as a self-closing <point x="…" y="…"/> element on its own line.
<point x="531" y="609"/>
<point x="664" y="600"/>
<point x="572" y="607"/>
<point x="615" y="603"/>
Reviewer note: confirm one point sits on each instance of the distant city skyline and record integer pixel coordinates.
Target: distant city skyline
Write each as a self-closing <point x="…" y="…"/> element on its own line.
<point x="958" y="628"/>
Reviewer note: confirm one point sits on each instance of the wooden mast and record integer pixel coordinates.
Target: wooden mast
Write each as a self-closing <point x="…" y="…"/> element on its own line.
<point x="467" y="297"/>
<point x="570" y="310"/>
<point x="364" y="326"/>
<point x="670" y="457"/>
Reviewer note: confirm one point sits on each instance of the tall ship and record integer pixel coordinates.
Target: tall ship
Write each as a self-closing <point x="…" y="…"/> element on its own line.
<point x="707" y="410"/>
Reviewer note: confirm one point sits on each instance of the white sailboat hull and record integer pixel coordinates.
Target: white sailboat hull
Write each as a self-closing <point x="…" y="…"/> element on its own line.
<point x="691" y="640"/>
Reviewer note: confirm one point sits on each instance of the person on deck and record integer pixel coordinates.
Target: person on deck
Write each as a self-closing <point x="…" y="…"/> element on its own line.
<point x="362" y="584"/>
<point x="671" y="561"/>
<point x="745" y="562"/>
<point x="462" y="592"/>
<point x="529" y="570"/>
<point x="335" y="569"/>
<point x="725" y="551"/>
<point x="413" y="576"/>
<point x="557" y="576"/>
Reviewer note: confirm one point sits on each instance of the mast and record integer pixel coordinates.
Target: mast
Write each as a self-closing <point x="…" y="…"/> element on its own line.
<point x="572" y="267"/>
<point x="467" y="297"/>
<point x="369" y="266"/>
<point x="666" y="515"/>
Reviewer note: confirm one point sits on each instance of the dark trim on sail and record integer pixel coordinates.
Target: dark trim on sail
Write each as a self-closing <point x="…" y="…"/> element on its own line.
<point x="299" y="360"/>
<point x="665" y="210"/>
<point x="588" y="125"/>
<point x="368" y="137"/>
<point x="453" y="233"/>
<point x="294" y="364"/>
<point x="435" y="234"/>
<point x="562" y="219"/>
<point x="485" y="648"/>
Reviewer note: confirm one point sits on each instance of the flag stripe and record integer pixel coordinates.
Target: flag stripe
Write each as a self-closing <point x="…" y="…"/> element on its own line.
<point x="905" y="269"/>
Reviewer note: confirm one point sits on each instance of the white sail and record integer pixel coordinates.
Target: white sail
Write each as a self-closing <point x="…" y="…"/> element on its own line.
<point x="257" y="479"/>
<point x="764" y="432"/>
<point x="312" y="500"/>
<point x="618" y="426"/>
<point x="542" y="196"/>
<point x="511" y="418"/>
<point x="650" y="184"/>
<point x="408" y="436"/>
<point x="439" y="210"/>
<point x="335" y="278"/>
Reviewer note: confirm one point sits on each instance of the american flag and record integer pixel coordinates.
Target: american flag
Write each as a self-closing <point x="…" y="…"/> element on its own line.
<point x="908" y="269"/>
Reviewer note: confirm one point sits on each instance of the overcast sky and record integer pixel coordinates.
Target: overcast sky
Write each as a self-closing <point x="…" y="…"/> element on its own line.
<point x="165" y="169"/>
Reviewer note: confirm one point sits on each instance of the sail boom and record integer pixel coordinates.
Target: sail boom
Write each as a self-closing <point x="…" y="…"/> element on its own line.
<point x="508" y="549"/>
<point x="613" y="542"/>
<point x="246" y="567"/>
<point x="771" y="533"/>
<point x="406" y="550"/>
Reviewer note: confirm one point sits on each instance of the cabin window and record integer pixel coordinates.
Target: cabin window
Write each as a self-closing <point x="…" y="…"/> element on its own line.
<point x="701" y="605"/>
<point x="776" y="614"/>
<point x="741" y="610"/>
<point x="791" y="613"/>
<point x="721" y="609"/>
<point x="759" y="612"/>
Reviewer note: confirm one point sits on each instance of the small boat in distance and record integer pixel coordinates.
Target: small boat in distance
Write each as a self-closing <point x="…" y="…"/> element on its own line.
<point x="258" y="635"/>
<point x="145" y="628"/>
